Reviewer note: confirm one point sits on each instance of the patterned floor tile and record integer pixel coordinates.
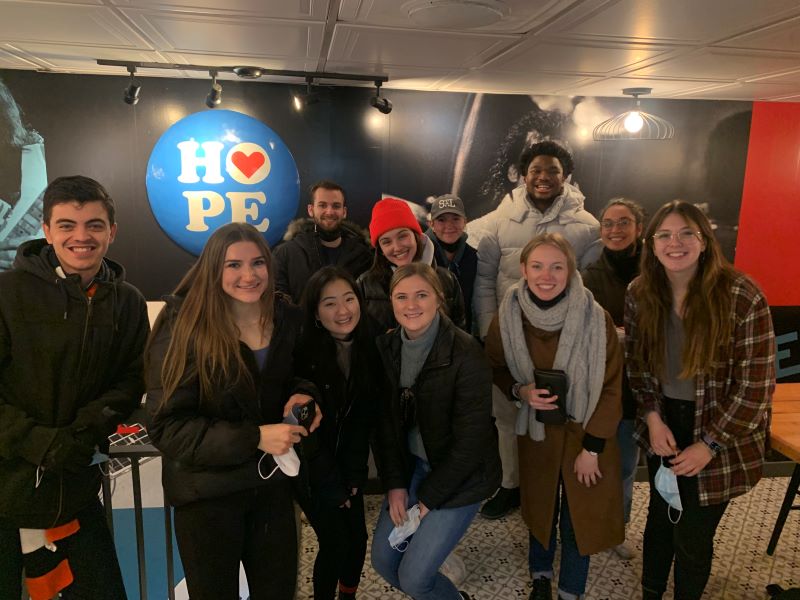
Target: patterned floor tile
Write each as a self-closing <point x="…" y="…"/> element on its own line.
<point x="495" y="554"/>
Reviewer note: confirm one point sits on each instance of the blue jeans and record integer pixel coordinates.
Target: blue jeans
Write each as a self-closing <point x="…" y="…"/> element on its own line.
<point x="629" y="454"/>
<point x="574" y="566"/>
<point x="415" y="572"/>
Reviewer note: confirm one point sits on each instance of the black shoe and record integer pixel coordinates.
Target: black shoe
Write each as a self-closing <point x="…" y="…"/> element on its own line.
<point x="503" y="501"/>
<point x="464" y="595"/>
<point x="541" y="589"/>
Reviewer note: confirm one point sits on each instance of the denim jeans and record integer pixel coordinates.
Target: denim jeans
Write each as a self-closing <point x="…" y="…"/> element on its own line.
<point x="415" y="572"/>
<point x="574" y="566"/>
<point x="629" y="454"/>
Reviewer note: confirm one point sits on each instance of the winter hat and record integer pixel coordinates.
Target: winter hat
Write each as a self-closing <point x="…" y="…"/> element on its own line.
<point x="388" y="214"/>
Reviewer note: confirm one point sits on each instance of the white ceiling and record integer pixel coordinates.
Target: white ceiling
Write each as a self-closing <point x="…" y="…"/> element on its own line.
<point x="716" y="49"/>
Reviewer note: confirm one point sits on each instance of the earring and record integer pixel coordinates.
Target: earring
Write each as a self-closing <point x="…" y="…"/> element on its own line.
<point x="318" y="323"/>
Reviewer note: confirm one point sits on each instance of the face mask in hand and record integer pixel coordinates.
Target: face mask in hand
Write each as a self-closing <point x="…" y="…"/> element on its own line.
<point x="398" y="538"/>
<point x="667" y="485"/>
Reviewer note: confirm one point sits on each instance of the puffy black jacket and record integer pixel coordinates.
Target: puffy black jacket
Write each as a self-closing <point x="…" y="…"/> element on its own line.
<point x="210" y="444"/>
<point x="337" y="452"/>
<point x="299" y="256"/>
<point x="374" y="287"/>
<point x="70" y="371"/>
<point x="454" y="412"/>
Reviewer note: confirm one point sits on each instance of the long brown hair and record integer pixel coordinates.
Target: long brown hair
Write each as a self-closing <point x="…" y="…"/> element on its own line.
<point x="204" y="326"/>
<point x="707" y="306"/>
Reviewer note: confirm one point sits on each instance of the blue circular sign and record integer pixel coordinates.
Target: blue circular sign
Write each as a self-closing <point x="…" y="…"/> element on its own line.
<point x="217" y="167"/>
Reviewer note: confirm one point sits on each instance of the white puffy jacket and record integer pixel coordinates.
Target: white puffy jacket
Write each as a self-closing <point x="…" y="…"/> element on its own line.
<point x="501" y="234"/>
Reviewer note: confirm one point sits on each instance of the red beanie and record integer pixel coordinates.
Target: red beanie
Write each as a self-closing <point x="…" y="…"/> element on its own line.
<point x="388" y="214"/>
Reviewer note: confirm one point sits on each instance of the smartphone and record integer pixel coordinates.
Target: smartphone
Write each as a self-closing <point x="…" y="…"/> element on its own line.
<point x="304" y="414"/>
<point x="555" y="382"/>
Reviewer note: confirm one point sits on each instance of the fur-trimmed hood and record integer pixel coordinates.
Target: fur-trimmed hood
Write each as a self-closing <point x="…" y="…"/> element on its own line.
<point x="306" y="225"/>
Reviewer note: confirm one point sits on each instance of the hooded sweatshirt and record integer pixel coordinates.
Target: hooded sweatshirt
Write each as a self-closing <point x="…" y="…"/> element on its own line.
<point x="70" y="371"/>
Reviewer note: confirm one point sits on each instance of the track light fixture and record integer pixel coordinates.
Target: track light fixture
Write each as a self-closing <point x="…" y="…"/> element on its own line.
<point x="383" y="104"/>
<point x="132" y="91"/>
<point x="634" y="124"/>
<point x="302" y="99"/>
<point x="250" y="72"/>
<point x="214" y="97"/>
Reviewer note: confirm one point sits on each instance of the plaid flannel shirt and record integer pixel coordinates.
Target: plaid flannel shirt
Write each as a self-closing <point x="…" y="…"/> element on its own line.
<point x="732" y="403"/>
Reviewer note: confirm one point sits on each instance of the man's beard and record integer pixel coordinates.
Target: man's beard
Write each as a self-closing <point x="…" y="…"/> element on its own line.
<point x="328" y="235"/>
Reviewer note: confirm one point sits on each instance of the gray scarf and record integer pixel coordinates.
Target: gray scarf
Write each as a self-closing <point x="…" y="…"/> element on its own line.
<point x="581" y="348"/>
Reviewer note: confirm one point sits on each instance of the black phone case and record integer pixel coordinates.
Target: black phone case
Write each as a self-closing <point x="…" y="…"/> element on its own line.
<point x="305" y="413"/>
<point x="555" y="382"/>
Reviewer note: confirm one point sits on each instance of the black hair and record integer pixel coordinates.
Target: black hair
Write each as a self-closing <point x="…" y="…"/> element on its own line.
<point x="76" y="188"/>
<point x="313" y="333"/>
<point x="547" y="148"/>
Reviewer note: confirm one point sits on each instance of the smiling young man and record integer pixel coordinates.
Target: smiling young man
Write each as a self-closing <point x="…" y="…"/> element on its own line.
<point x="547" y="203"/>
<point x="447" y="222"/>
<point x="72" y="332"/>
<point x="324" y="238"/>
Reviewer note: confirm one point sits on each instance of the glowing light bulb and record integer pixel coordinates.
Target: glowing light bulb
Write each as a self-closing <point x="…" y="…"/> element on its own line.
<point x="633" y="122"/>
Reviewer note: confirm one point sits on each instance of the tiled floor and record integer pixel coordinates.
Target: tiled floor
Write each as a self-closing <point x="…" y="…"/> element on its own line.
<point x="495" y="554"/>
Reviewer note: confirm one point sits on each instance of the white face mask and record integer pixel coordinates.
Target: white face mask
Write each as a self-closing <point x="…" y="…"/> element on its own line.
<point x="666" y="483"/>
<point x="399" y="535"/>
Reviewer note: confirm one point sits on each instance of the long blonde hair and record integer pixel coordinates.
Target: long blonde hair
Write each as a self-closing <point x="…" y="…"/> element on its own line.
<point x="204" y="326"/>
<point x="707" y="307"/>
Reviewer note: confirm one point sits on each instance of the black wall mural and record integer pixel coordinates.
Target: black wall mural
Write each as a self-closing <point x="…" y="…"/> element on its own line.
<point x="430" y="144"/>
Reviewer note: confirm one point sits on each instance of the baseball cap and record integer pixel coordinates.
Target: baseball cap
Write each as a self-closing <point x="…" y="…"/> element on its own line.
<point x="447" y="203"/>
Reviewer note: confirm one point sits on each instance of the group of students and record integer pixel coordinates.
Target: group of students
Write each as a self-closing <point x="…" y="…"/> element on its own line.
<point x="256" y="402"/>
<point x="384" y="359"/>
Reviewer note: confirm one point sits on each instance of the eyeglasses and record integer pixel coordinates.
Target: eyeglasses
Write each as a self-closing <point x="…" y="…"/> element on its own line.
<point x="684" y="236"/>
<point x="611" y="223"/>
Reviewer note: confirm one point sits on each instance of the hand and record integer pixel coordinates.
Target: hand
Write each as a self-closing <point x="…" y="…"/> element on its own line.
<point x="300" y="399"/>
<point x="661" y="439"/>
<point x="540" y="399"/>
<point x="587" y="469"/>
<point x="423" y="510"/>
<point x="690" y="461"/>
<point x="277" y="439"/>
<point x="398" y="500"/>
<point x="346" y="503"/>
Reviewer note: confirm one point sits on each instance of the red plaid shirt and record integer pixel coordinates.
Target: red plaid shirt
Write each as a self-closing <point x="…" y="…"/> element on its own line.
<point x="732" y="403"/>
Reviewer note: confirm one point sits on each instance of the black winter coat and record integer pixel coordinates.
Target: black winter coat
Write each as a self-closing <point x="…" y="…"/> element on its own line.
<point x="299" y="256"/>
<point x="374" y="287"/>
<point x="454" y="412"/>
<point x="210" y="444"/>
<point x="464" y="266"/>
<point x="70" y="369"/>
<point x="336" y="454"/>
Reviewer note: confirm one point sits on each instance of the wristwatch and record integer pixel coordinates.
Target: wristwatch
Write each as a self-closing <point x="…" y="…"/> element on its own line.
<point x="515" y="388"/>
<point x="712" y="444"/>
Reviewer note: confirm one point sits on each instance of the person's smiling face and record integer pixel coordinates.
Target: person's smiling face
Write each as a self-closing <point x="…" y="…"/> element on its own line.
<point x="618" y="228"/>
<point x="338" y="309"/>
<point x="80" y="235"/>
<point x="415" y="303"/>
<point x="244" y="272"/>
<point x="546" y="271"/>
<point x="678" y="244"/>
<point x="399" y="246"/>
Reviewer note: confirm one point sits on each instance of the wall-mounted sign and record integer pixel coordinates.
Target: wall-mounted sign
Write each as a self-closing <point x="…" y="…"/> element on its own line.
<point x="217" y="167"/>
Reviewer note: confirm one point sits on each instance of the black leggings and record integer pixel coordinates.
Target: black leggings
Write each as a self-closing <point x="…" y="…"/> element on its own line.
<point x="342" y="537"/>
<point x="690" y="542"/>
<point x="256" y="527"/>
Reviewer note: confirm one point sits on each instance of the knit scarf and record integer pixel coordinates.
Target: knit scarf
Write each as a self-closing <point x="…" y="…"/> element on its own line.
<point x="581" y="349"/>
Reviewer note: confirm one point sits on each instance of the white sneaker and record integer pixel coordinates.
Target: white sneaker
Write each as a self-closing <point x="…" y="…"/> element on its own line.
<point x="625" y="550"/>
<point x="454" y="569"/>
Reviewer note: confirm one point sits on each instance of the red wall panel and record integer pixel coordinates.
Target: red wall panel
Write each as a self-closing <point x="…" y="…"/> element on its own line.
<point x="768" y="245"/>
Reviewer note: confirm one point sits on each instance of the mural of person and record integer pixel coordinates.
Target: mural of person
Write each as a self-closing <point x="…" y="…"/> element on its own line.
<point x="23" y="177"/>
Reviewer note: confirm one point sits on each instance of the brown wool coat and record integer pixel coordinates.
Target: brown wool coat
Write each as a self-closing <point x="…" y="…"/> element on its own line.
<point x="596" y="512"/>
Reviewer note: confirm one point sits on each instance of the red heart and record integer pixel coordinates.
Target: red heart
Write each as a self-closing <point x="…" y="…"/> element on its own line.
<point x="247" y="163"/>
